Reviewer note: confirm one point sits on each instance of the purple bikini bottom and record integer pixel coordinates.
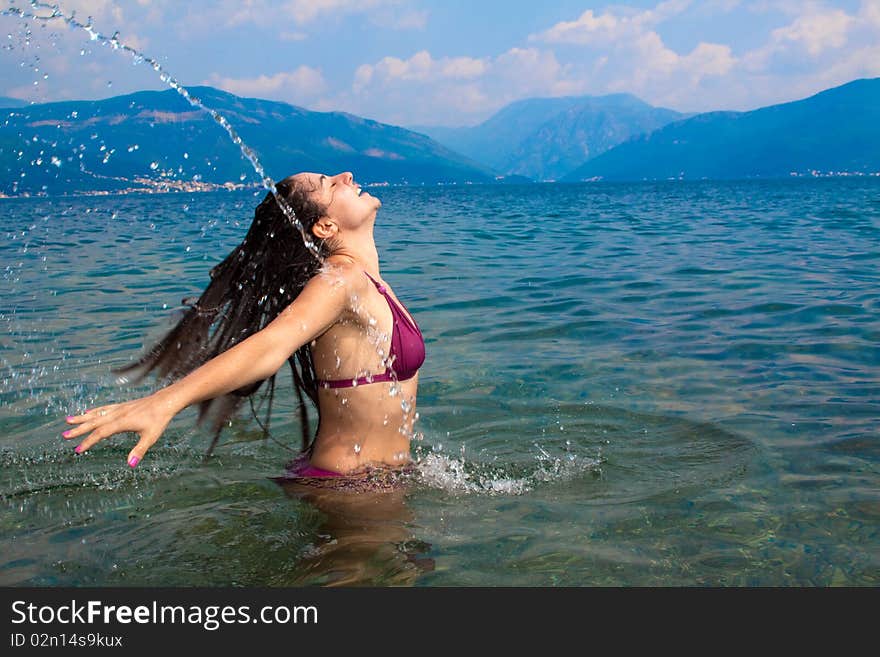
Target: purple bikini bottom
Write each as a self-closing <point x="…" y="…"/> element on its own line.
<point x="300" y="467"/>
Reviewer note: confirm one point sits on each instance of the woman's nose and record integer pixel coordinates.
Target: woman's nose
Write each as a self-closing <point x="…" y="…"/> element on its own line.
<point x="347" y="177"/>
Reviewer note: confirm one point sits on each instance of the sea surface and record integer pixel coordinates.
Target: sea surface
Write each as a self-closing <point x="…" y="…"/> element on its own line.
<point x="651" y="384"/>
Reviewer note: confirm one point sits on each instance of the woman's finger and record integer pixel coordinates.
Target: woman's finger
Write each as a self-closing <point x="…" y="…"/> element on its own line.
<point x="90" y="420"/>
<point x="82" y="429"/>
<point x="90" y="414"/>
<point x="135" y="455"/>
<point x="99" y="434"/>
<point x="78" y="419"/>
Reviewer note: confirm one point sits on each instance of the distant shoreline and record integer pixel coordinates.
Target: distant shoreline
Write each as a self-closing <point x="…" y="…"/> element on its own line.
<point x="203" y="188"/>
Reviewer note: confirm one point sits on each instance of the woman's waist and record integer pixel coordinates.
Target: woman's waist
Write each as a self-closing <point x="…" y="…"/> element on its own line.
<point x="350" y="453"/>
<point x="310" y="472"/>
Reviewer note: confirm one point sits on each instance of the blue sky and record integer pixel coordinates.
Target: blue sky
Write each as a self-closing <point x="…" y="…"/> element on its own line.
<point x="453" y="62"/>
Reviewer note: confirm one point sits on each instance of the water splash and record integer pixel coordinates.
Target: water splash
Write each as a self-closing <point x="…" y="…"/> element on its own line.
<point x="115" y="43"/>
<point x="53" y="12"/>
<point x="460" y="476"/>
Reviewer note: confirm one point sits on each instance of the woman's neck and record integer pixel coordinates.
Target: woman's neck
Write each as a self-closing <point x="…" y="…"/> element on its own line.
<point x="361" y="248"/>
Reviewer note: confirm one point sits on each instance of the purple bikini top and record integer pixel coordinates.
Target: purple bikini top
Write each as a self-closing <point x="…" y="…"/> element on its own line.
<point x="407" y="351"/>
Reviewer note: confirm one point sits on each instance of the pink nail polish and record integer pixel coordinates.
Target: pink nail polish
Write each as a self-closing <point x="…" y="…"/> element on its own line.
<point x="69" y="418"/>
<point x="78" y="449"/>
<point x="66" y="433"/>
<point x="133" y="461"/>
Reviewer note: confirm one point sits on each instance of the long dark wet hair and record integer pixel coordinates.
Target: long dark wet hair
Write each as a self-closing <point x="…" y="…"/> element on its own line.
<point x="253" y="284"/>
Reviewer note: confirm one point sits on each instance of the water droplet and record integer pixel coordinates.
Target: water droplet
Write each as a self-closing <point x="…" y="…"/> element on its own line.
<point x="154" y="165"/>
<point x="357" y="448"/>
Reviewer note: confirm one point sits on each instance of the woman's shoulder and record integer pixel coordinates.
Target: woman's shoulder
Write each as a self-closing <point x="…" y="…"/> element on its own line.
<point x="342" y="273"/>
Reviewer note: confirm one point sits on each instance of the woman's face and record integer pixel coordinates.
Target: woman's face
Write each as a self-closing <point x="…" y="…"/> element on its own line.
<point x="346" y="205"/>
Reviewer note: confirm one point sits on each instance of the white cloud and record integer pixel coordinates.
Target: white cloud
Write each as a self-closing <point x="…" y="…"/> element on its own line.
<point x="308" y="11"/>
<point x="464" y="68"/>
<point x="610" y="26"/>
<point x="789" y="7"/>
<point x="649" y="69"/>
<point x="70" y="66"/>
<point x="454" y="90"/>
<point x="462" y="90"/>
<point x="362" y="77"/>
<point x="108" y="17"/>
<point x="870" y="12"/>
<point x="525" y="71"/>
<point x="819" y="47"/>
<point x="299" y="86"/>
<point x="420" y="67"/>
<point x="816" y="31"/>
<point x="709" y="59"/>
<point x="289" y="16"/>
<point x="629" y="55"/>
<point x="98" y="9"/>
<point x="589" y="29"/>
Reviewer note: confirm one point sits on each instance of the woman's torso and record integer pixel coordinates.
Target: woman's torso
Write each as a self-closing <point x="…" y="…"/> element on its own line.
<point x="369" y="423"/>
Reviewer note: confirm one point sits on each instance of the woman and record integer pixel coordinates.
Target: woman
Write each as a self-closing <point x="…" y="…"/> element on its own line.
<point x="352" y="347"/>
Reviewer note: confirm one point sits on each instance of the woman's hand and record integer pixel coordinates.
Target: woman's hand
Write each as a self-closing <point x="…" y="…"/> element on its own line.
<point x="146" y="416"/>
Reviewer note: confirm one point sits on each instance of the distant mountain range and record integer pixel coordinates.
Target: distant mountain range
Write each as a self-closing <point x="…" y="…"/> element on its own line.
<point x="837" y="130"/>
<point x="6" y="101"/>
<point x="156" y="140"/>
<point x="545" y="138"/>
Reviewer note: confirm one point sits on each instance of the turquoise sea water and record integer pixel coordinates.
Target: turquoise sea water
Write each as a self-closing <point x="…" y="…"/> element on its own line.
<point x="626" y="384"/>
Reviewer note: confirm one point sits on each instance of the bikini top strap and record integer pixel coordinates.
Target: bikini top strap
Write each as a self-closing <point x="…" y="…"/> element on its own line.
<point x="378" y="285"/>
<point x="396" y="308"/>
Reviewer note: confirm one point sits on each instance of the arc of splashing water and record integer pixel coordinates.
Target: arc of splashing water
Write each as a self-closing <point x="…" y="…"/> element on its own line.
<point x="114" y="43"/>
<point x="171" y="81"/>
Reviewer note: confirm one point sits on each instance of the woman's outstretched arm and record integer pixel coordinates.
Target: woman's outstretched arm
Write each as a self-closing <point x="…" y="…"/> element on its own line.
<point x="320" y="304"/>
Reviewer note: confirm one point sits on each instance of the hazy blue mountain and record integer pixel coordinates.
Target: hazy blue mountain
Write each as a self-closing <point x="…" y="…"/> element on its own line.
<point x="835" y="130"/>
<point x="6" y="101"/>
<point x="156" y="136"/>
<point x="545" y="138"/>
